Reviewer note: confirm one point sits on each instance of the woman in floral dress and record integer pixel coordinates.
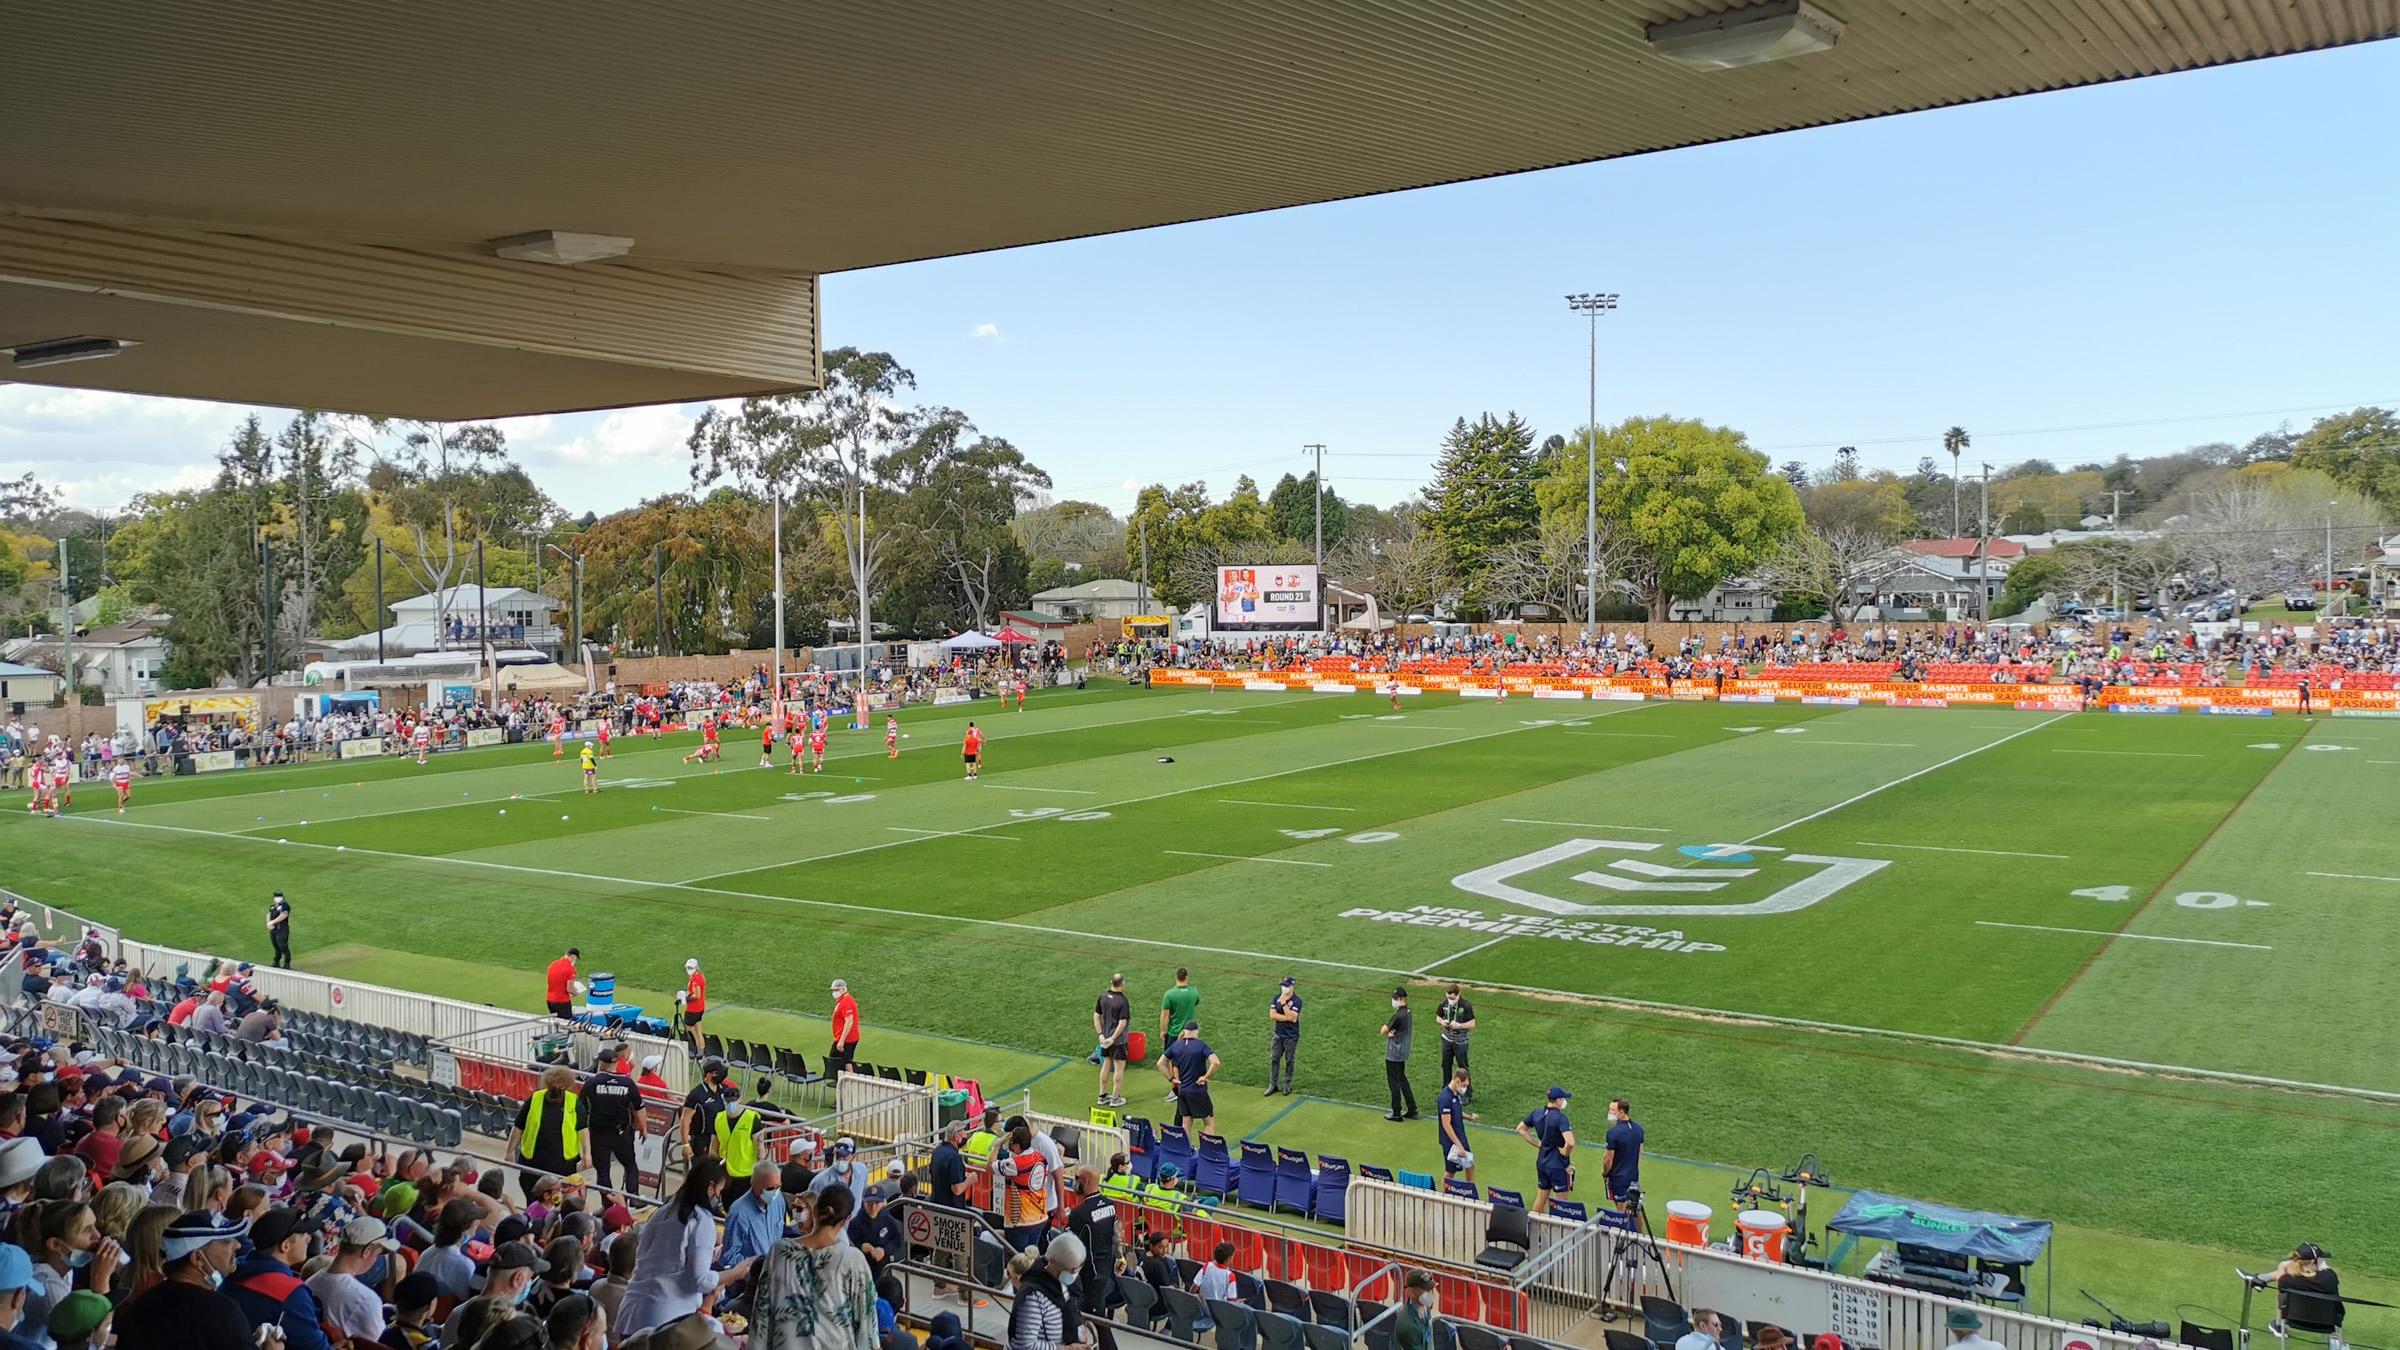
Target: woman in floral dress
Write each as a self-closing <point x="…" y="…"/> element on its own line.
<point x="814" y="1292"/>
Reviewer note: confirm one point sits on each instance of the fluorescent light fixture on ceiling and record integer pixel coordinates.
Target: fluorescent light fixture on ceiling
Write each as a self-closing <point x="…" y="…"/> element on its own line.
<point x="562" y="247"/>
<point x="59" y="351"/>
<point x="1771" y="30"/>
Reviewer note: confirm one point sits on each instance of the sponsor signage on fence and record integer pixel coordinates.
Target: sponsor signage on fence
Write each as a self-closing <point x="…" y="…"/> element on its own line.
<point x="2167" y="708"/>
<point x="482" y="736"/>
<point x="214" y="761"/>
<point x="945" y="697"/>
<point x="2221" y="710"/>
<point x="363" y="747"/>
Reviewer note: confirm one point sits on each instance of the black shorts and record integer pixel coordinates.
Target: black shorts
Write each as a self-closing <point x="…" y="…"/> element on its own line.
<point x="1194" y="1102"/>
<point x="692" y="1019"/>
<point x="972" y="758"/>
<point x="558" y="1009"/>
<point x="1118" y="1051"/>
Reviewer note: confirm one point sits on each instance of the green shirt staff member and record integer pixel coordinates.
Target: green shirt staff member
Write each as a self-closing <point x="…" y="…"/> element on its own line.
<point x="1179" y="1006"/>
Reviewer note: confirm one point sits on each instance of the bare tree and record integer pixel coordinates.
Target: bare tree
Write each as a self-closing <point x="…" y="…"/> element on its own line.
<point x="1547" y="567"/>
<point x="1836" y="566"/>
<point x="1400" y="566"/>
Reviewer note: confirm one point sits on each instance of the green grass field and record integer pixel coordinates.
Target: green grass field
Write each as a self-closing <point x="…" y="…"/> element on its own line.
<point x="2123" y="973"/>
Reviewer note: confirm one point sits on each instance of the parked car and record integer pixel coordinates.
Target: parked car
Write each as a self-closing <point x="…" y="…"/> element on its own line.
<point x="2300" y="597"/>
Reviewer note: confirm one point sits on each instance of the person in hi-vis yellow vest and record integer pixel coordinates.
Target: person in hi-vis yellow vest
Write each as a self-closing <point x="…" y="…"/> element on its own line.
<point x="549" y="1138"/>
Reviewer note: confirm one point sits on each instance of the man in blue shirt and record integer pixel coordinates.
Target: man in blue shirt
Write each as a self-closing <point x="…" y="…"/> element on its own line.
<point x="1553" y="1140"/>
<point x="1450" y="1126"/>
<point x="1189" y="1065"/>
<point x="754" y="1222"/>
<point x="1283" y="1043"/>
<point x="1621" y="1155"/>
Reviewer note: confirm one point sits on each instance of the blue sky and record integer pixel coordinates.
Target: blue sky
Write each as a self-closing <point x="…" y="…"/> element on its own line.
<point x="2131" y="268"/>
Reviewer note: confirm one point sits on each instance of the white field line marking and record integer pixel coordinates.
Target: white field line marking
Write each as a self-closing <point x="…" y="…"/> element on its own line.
<point x="1646" y="735"/>
<point x="1909" y="777"/>
<point x="664" y="749"/>
<point x="1987" y="852"/>
<point x="728" y="815"/>
<point x="1887" y="745"/>
<point x="2147" y="754"/>
<point x="1598" y="1000"/>
<point x="948" y="834"/>
<point x="1236" y="857"/>
<point x="2352" y="876"/>
<point x="2384" y="761"/>
<point x="2139" y="937"/>
<point x="1151" y="797"/>
<point x="1586" y="825"/>
<point x="1459" y="956"/>
<point x="1287" y="806"/>
<point x="1018" y="787"/>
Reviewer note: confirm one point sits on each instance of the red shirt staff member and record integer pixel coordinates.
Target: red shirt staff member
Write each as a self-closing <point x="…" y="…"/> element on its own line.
<point x="694" y="999"/>
<point x="845" y="1030"/>
<point x="563" y="985"/>
<point x="973" y="752"/>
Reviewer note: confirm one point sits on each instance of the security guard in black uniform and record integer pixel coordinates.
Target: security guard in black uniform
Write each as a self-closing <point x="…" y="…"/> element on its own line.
<point x="610" y="1101"/>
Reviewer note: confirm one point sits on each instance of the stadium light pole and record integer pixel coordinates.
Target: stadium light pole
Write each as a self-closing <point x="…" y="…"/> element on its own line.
<point x="379" y="624"/>
<point x="575" y="566"/>
<point x="1592" y="305"/>
<point x="775" y="690"/>
<point x="1983" y="552"/>
<point x="2327" y="601"/>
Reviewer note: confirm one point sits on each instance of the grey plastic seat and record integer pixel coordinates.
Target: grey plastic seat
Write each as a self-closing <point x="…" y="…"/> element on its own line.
<point x="1279" y="1331"/>
<point x="1141" y="1300"/>
<point x="1317" y="1336"/>
<point x="1237" y="1325"/>
<point x="1184" y="1312"/>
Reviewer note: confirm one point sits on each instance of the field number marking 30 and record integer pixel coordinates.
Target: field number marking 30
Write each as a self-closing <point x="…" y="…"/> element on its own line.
<point x="2117" y="895"/>
<point x="1056" y="813"/>
<point x="1363" y="837"/>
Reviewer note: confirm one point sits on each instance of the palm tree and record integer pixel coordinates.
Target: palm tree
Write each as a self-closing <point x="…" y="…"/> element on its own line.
<point x="1955" y="441"/>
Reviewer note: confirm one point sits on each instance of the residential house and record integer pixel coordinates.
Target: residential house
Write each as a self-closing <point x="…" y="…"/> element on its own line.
<point x="23" y="686"/>
<point x="459" y="619"/>
<point x="1735" y="600"/>
<point x="1921" y="576"/>
<point x="1108" y="598"/>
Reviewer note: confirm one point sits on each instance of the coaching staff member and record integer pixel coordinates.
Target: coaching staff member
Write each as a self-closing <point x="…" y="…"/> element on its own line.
<point x="610" y="1101"/>
<point x="1397" y="1032"/>
<point x="1553" y="1138"/>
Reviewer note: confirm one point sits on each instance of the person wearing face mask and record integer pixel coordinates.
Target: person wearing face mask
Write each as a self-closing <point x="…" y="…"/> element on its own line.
<point x="1413" y="1329"/>
<point x="17" y="1287"/>
<point x="20" y="1159"/>
<point x="63" y="1237"/>
<point x="814" y="1292"/>
<point x="266" y="1287"/>
<point x="347" y="1290"/>
<point x="184" y="1311"/>
<point x="1398" y="1033"/>
<point x="674" y="1250"/>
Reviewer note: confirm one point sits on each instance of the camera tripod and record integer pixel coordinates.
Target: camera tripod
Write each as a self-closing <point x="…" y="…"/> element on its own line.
<point x="1629" y="1247"/>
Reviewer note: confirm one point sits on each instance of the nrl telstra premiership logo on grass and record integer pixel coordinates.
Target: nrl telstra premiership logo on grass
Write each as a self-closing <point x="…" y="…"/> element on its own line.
<point x="1730" y="870"/>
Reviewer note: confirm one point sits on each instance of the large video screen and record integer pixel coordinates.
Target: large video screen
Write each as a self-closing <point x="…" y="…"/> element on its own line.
<point x="1282" y="596"/>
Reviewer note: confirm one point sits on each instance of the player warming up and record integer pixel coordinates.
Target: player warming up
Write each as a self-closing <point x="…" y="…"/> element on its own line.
<point x="973" y="750"/>
<point x="891" y="738"/>
<point x="591" y="771"/>
<point x="122" y="777"/>
<point x="816" y="745"/>
<point x="709" y="748"/>
<point x="766" y="745"/>
<point x="605" y="751"/>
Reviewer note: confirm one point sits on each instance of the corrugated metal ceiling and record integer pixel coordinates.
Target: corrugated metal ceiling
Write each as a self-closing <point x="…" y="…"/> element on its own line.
<point x="813" y="138"/>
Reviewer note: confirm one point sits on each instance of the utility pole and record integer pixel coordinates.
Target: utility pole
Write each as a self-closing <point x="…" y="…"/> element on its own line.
<point x="1983" y="552"/>
<point x="575" y="566"/>
<point x="1142" y="526"/>
<point x="483" y="623"/>
<point x="379" y="624"/>
<point x="658" y="582"/>
<point x="266" y="600"/>
<point x="2116" y="503"/>
<point x="1318" y="479"/>
<point x="2326" y="602"/>
<point x="1592" y="306"/>
<point x="66" y="634"/>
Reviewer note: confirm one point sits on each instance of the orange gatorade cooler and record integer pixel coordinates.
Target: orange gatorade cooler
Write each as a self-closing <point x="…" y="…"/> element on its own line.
<point x="1762" y="1232"/>
<point x="1687" y="1222"/>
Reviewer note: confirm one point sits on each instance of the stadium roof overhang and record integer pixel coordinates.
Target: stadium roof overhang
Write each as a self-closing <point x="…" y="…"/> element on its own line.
<point x="298" y="203"/>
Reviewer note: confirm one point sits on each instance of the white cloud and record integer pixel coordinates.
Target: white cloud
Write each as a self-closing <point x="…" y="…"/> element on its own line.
<point x="1130" y="485"/>
<point x="986" y="330"/>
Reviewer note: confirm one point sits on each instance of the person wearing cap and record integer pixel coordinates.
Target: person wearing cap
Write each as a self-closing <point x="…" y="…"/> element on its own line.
<point x="20" y="1158"/>
<point x="17" y="1288"/>
<point x="876" y="1231"/>
<point x="1093" y="1221"/>
<point x="845" y="1031"/>
<point x="1965" y="1324"/>
<point x="549" y="1138"/>
<point x="1552" y="1136"/>
<point x="693" y="1001"/>
<point x="1456" y="1018"/>
<point x="412" y="1308"/>
<point x="845" y="1171"/>
<point x="1412" y="1327"/>
<point x="1283" y="1038"/>
<point x="515" y="1265"/>
<point x="267" y="1288"/>
<point x="737" y="1129"/>
<point x="700" y="1107"/>
<point x="1190" y="1063"/>
<point x="80" y="1321"/>
<point x="279" y="930"/>
<point x="653" y="1083"/>
<point x="351" y="1304"/>
<point x="1398" y="1032"/>
<point x="2308" y="1296"/>
<point x="610" y="1101"/>
<point x="1112" y="1024"/>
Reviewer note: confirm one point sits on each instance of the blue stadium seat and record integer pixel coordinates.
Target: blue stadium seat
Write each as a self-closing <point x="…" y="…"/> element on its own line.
<point x="1257" y="1186"/>
<point x="1374" y="1173"/>
<point x="1333" y="1188"/>
<point x="1212" y="1166"/>
<point x="1423" y="1181"/>
<point x="1278" y="1331"/>
<point x="1237" y="1325"/>
<point x="1570" y="1210"/>
<point x="1174" y="1146"/>
<point x="1316" y="1337"/>
<point x="1295" y="1182"/>
<point x="1501" y="1197"/>
<point x="1464" y="1190"/>
<point x="1141" y="1147"/>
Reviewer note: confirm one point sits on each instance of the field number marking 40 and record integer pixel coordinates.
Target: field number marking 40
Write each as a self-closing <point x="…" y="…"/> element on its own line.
<point x="1363" y="837"/>
<point x="1055" y="813"/>
<point x="2117" y="895"/>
